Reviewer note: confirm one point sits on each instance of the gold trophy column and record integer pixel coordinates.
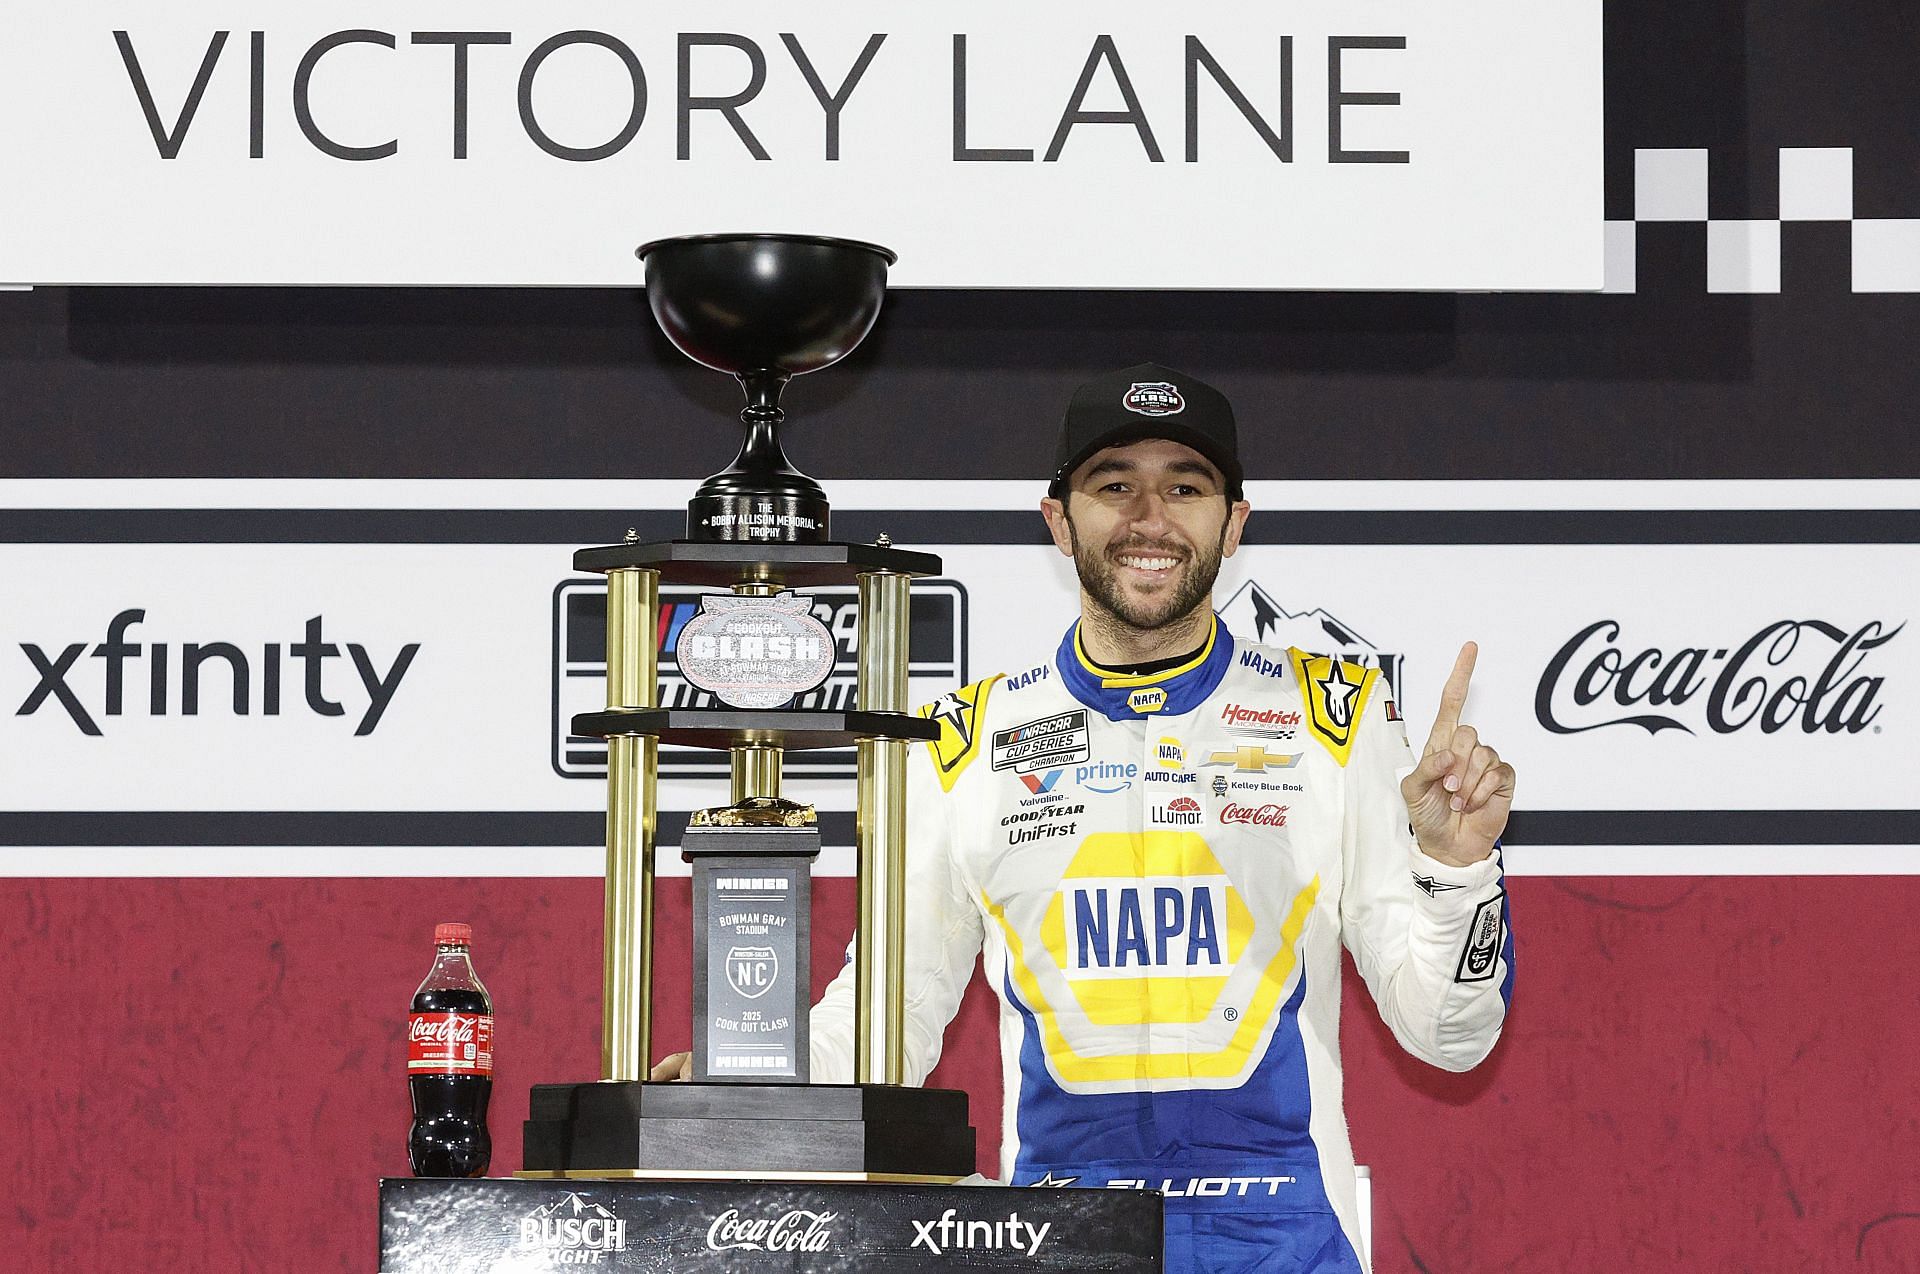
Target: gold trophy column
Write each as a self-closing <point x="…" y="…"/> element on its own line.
<point x="881" y="836"/>
<point x="626" y="995"/>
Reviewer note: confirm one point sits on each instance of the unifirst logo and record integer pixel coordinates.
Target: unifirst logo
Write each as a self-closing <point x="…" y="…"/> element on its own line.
<point x="950" y="1233"/>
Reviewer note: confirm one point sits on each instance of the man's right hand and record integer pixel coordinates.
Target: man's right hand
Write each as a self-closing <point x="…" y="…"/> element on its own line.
<point x="678" y="1066"/>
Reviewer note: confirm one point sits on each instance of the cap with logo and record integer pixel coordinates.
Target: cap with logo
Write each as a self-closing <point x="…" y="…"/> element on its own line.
<point x="1148" y="401"/>
<point x="458" y="935"/>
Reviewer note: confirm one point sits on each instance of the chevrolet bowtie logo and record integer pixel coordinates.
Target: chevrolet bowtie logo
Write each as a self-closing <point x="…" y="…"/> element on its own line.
<point x="1252" y="758"/>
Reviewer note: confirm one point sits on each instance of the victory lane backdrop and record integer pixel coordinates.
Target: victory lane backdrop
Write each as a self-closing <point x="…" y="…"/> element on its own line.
<point x="213" y="920"/>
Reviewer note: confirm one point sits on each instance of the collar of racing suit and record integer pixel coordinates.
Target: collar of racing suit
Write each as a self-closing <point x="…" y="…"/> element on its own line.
<point x="1170" y="692"/>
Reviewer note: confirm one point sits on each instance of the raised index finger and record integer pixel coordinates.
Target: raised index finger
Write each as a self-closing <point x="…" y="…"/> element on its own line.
<point x="1453" y="697"/>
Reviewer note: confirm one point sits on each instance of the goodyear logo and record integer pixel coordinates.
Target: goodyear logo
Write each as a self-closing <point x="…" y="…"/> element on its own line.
<point x="1150" y="699"/>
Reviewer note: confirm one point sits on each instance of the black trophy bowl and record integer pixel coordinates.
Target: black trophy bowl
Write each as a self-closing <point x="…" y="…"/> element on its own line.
<point x="764" y="308"/>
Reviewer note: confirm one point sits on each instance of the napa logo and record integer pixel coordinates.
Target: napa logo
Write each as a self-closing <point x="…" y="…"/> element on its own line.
<point x="1170" y="754"/>
<point x="1147" y="931"/>
<point x="1151" y="699"/>
<point x="1146" y="927"/>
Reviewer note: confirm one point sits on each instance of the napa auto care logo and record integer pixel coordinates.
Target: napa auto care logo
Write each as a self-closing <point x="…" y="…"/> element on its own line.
<point x="937" y="661"/>
<point x="795" y="1230"/>
<point x="572" y="1230"/>
<point x="1805" y="675"/>
<point x="1253" y="611"/>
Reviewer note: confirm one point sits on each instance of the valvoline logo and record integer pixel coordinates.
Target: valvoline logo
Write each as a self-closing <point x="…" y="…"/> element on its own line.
<point x="1039" y="783"/>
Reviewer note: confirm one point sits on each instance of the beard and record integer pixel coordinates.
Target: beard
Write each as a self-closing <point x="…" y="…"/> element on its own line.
<point x="1192" y="587"/>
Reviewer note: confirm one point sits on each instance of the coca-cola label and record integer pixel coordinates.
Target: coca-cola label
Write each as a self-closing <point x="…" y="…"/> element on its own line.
<point x="1804" y="675"/>
<point x="796" y="1230"/>
<point x="450" y="1044"/>
<point x="1254" y="815"/>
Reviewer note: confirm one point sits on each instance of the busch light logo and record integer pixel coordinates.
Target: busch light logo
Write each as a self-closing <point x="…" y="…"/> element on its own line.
<point x="1793" y="674"/>
<point x="752" y="971"/>
<point x="937" y="660"/>
<point x="1154" y="398"/>
<point x="1253" y="612"/>
<point x="795" y="1230"/>
<point x="572" y="1230"/>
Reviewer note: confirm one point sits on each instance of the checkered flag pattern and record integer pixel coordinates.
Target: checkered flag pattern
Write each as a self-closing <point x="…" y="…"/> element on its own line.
<point x="1816" y="184"/>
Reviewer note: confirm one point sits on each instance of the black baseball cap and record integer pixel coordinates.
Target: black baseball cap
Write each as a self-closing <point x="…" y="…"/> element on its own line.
<point x="1148" y="401"/>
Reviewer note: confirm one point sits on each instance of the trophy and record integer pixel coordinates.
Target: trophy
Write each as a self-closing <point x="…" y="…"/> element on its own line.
<point x="763" y="308"/>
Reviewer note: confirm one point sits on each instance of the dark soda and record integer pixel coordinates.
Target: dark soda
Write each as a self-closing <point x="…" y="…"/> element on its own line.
<point x="450" y="1062"/>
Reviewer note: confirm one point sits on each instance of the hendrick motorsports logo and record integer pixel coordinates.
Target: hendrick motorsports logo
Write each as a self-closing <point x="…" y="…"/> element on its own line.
<point x="1253" y="612"/>
<point x="572" y="1230"/>
<point x="937" y="643"/>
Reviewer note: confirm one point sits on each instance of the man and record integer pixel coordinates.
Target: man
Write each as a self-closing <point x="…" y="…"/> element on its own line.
<point x="1161" y="837"/>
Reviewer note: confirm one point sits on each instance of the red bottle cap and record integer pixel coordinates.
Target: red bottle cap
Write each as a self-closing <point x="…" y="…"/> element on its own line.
<point x="461" y="935"/>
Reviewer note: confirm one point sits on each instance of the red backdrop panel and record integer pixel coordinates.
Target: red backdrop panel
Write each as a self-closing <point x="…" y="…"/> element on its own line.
<point x="1699" y="1074"/>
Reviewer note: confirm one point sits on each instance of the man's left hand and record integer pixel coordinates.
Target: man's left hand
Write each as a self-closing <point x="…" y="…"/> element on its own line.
<point x="1459" y="796"/>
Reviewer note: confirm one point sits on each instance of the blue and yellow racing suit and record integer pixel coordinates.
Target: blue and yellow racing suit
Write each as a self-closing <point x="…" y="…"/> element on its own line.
<point x="1159" y="872"/>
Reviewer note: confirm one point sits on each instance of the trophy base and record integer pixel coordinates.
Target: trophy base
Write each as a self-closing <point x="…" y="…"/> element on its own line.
<point x="680" y="1128"/>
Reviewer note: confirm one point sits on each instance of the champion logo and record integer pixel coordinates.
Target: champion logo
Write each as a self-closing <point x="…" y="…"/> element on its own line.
<point x="1154" y="398"/>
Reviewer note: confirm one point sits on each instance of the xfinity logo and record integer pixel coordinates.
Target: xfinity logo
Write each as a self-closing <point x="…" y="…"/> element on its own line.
<point x="175" y="678"/>
<point x="950" y="1233"/>
<point x="1806" y="674"/>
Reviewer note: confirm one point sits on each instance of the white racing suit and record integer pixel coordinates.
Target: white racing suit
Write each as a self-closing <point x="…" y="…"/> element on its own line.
<point x="1160" y="871"/>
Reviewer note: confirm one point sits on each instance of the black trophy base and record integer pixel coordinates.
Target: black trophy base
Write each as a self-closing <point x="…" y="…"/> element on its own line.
<point x="758" y="517"/>
<point x="871" y="1129"/>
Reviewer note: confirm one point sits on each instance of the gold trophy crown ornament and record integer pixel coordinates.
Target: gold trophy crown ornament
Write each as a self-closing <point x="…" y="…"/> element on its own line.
<point x="763" y="308"/>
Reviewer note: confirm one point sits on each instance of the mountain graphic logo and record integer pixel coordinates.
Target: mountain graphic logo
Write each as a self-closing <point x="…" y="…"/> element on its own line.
<point x="1253" y="612"/>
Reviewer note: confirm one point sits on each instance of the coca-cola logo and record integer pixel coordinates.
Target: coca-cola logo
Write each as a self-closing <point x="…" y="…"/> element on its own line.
<point x="796" y="1230"/>
<point x="434" y="1029"/>
<point x="1254" y="815"/>
<point x="1793" y="673"/>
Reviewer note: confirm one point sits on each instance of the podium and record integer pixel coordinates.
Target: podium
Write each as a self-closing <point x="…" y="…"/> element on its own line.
<point x="433" y="1226"/>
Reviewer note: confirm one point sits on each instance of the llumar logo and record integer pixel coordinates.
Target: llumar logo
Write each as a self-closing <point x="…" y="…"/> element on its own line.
<point x="573" y="1230"/>
<point x="1803" y="674"/>
<point x="795" y="1230"/>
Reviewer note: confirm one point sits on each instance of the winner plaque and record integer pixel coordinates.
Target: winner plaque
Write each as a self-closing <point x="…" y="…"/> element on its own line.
<point x="762" y="308"/>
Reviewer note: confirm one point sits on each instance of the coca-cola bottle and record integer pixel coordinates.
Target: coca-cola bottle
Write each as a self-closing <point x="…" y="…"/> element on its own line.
<point x="450" y="1063"/>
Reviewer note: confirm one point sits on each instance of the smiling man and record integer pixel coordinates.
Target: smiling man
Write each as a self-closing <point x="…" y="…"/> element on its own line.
<point x="1160" y="838"/>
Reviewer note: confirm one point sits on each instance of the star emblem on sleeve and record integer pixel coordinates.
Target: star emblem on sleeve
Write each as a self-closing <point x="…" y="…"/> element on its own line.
<point x="1339" y="694"/>
<point x="1051" y="1181"/>
<point x="952" y="709"/>
<point x="1433" y="888"/>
